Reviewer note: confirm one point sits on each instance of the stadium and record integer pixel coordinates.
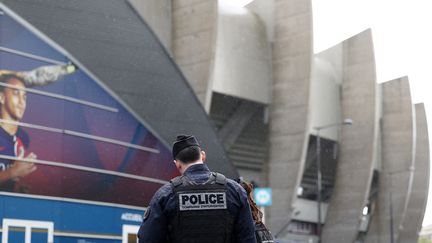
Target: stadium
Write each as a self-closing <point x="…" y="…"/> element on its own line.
<point x="347" y="159"/>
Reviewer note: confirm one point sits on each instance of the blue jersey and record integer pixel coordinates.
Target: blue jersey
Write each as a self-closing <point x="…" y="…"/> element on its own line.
<point x="11" y="145"/>
<point x="163" y="206"/>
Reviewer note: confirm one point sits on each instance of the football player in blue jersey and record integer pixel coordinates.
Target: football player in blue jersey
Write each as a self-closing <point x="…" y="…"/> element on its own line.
<point x="15" y="161"/>
<point x="13" y="140"/>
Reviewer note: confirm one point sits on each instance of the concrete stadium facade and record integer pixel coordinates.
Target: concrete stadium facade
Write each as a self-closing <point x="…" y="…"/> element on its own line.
<point x="214" y="44"/>
<point x="253" y="73"/>
<point x="358" y="142"/>
<point x="412" y="224"/>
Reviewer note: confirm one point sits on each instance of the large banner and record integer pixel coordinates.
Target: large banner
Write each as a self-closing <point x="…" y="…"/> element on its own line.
<point x="63" y="135"/>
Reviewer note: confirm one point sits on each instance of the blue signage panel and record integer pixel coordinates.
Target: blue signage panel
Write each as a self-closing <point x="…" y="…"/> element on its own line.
<point x="70" y="218"/>
<point x="263" y="196"/>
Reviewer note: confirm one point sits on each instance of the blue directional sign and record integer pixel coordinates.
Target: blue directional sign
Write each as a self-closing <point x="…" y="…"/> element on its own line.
<point x="263" y="196"/>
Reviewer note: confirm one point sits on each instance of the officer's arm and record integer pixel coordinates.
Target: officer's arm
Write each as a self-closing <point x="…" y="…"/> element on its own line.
<point x="244" y="228"/>
<point x="154" y="227"/>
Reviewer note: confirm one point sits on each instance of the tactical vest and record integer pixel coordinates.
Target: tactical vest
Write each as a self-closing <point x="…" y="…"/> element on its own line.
<point x="262" y="234"/>
<point x="202" y="211"/>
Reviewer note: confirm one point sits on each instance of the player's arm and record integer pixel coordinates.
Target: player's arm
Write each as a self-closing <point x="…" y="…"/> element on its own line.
<point x="18" y="169"/>
<point x="5" y="175"/>
<point x="46" y="74"/>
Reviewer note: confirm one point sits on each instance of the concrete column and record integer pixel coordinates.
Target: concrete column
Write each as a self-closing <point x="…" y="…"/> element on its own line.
<point x="397" y="161"/>
<point x="157" y="14"/>
<point x="242" y="64"/>
<point x="411" y="226"/>
<point x="194" y="34"/>
<point x="358" y="142"/>
<point x="292" y="58"/>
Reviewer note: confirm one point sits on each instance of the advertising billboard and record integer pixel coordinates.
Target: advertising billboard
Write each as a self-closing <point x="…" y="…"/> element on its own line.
<point x="71" y="153"/>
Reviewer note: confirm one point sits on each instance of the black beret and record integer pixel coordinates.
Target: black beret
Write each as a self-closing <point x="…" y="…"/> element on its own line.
<point x="182" y="142"/>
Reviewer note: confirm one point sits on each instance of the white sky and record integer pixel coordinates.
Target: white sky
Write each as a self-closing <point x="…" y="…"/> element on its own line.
<point x="402" y="35"/>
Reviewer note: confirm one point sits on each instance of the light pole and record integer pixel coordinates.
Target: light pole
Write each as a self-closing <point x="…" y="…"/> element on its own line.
<point x="318" y="152"/>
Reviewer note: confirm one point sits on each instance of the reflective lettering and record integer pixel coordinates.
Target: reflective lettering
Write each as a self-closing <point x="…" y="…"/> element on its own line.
<point x="193" y="199"/>
<point x="220" y="198"/>
<point x="202" y="200"/>
<point x="212" y="198"/>
<point x="184" y="199"/>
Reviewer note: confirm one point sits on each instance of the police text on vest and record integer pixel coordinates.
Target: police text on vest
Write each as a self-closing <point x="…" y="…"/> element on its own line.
<point x="202" y="201"/>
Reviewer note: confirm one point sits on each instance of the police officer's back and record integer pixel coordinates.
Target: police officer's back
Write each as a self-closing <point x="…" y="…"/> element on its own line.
<point x="200" y="206"/>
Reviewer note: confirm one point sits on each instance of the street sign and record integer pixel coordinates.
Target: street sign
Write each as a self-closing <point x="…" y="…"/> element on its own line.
<point x="263" y="196"/>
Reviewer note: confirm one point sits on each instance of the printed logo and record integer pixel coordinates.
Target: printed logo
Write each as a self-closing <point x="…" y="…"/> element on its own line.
<point x="19" y="148"/>
<point x="202" y="201"/>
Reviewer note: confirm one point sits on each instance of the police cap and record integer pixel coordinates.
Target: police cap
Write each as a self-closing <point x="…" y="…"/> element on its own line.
<point x="182" y="142"/>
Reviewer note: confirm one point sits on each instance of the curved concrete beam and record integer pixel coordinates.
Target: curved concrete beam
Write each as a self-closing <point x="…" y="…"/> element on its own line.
<point x="325" y="102"/>
<point x="158" y="14"/>
<point x="292" y="58"/>
<point x="242" y="64"/>
<point x="358" y="142"/>
<point x="412" y="223"/>
<point x="194" y="36"/>
<point x="398" y="147"/>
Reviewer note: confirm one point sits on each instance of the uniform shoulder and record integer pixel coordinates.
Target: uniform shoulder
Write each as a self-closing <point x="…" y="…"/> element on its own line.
<point x="233" y="184"/>
<point x="164" y="190"/>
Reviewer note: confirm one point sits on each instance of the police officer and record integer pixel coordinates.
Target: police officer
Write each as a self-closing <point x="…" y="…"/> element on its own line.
<point x="199" y="206"/>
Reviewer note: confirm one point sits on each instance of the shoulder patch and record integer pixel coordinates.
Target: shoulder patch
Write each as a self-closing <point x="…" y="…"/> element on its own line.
<point x="202" y="201"/>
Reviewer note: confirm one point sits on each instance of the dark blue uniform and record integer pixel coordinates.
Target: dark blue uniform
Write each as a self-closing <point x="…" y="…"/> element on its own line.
<point x="154" y="228"/>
